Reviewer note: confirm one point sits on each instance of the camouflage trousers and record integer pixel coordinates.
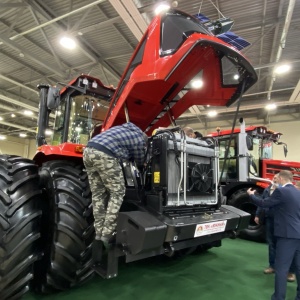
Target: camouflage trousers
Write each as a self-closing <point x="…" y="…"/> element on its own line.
<point x="108" y="189"/>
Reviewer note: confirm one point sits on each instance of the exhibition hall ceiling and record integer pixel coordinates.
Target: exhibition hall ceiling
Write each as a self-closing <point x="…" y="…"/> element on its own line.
<point x="106" y="34"/>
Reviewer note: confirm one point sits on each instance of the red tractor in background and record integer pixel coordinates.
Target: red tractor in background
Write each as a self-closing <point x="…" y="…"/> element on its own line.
<point x="176" y="203"/>
<point x="246" y="161"/>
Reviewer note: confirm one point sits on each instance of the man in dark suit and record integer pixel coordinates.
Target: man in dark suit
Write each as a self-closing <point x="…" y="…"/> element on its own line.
<point x="266" y="216"/>
<point x="285" y="201"/>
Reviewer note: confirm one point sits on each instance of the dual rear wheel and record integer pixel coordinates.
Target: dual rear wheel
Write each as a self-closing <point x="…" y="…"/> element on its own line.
<point x="46" y="226"/>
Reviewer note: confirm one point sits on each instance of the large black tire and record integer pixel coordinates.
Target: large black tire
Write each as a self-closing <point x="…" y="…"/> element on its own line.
<point x="254" y="232"/>
<point x="20" y="216"/>
<point x="67" y="230"/>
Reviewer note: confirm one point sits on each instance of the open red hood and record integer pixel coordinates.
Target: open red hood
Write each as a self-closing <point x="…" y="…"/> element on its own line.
<point x="176" y="49"/>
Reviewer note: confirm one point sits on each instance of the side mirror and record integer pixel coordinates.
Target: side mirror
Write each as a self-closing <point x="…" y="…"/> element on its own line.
<point x="249" y="142"/>
<point x="285" y="150"/>
<point x="53" y="98"/>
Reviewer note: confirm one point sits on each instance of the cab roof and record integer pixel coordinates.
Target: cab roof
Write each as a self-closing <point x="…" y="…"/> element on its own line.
<point x="175" y="51"/>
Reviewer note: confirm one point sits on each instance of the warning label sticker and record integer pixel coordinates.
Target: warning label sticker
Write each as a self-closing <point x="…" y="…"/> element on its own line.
<point x="210" y="228"/>
<point x="156" y="177"/>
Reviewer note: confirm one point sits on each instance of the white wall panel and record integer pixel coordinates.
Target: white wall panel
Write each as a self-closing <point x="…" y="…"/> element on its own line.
<point x="290" y="130"/>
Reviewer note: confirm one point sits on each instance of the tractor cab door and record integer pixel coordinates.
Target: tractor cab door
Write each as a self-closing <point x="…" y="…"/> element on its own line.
<point x="228" y="166"/>
<point x="237" y="161"/>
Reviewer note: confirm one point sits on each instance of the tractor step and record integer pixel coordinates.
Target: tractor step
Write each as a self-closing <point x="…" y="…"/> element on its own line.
<point x="106" y="262"/>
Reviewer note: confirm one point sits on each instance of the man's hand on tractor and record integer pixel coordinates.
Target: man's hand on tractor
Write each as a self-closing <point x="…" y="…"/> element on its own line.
<point x="250" y="191"/>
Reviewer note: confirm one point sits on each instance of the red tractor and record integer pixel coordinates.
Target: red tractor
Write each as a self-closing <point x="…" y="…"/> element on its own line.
<point x="246" y="161"/>
<point x="46" y="217"/>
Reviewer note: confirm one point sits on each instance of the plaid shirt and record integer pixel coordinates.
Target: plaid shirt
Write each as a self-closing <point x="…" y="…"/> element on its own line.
<point x="125" y="142"/>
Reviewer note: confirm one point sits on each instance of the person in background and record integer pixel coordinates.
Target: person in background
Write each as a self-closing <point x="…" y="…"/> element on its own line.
<point x="266" y="216"/>
<point x="102" y="159"/>
<point x="286" y="205"/>
<point x="189" y="132"/>
<point x="198" y="135"/>
<point x="297" y="185"/>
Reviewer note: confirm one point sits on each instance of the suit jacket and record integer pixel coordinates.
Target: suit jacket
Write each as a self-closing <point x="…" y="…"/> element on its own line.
<point x="264" y="212"/>
<point x="285" y="202"/>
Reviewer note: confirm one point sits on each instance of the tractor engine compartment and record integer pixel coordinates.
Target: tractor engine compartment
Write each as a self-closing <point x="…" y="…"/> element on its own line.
<point x="179" y="203"/>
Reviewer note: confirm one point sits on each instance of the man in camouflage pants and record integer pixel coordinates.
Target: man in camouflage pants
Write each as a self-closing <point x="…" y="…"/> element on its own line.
<point x="102" y="158"/>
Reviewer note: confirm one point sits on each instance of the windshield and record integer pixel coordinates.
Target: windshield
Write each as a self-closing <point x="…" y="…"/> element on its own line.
<point x="86" y="112"/>
<point x="232" y="73"/>
<point x="267" y="150"/>
<point x="175" y="29"/>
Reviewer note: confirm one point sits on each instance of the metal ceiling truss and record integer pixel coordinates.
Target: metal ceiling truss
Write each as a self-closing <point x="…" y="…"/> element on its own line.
<point x="130" y="13"/>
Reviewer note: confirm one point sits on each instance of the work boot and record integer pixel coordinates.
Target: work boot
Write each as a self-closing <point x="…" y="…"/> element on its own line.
<point x="108" y="241"/>
<point x="291" y="277"/>
<point x="269" y="270"/>
<point x="97" y="251"/>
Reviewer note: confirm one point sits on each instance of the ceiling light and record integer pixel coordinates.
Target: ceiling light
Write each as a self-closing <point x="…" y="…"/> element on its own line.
<point x="22" y="135"/>
<point x="236" y="76"/>
<point x="161" y="8"/>
<point x="48" y="132"/>
<point x="12" y="115"/>
<point x="2" y="137"/>
<point x="282" y="69"/>
<point x="212" y="113"/>
<point x="197" y="83"/>
<point x="68" y="42"/>
<point x="28" y="113"/>
<point x="271" y="106"/>
<point x="1" y="119"/>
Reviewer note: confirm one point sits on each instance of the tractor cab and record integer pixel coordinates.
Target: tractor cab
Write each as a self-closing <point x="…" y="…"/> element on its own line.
<point x="243" y="149"/>
<point x="82" y="107"/>
<point x="177" y="64"/>
<point x="78" y="109"/>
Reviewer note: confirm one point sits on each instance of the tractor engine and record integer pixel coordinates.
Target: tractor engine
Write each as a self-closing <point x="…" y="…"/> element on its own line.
<point x="182" y="172"/>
